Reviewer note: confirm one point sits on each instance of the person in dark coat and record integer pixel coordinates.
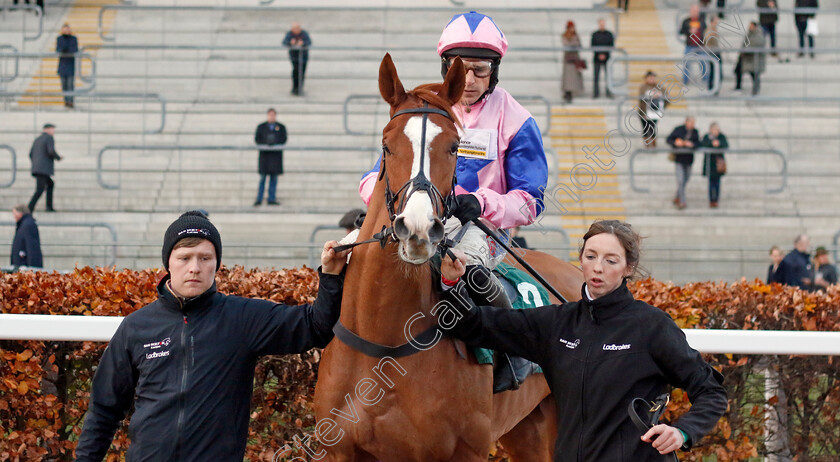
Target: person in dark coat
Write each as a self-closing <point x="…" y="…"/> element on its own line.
<point x="298" y="42"/>
<point x="43" y="157"/>
<point x="683" y="137"/>
<point x="714" y="139"/>
<point x="598" y="354"/>
<point x="26" y="245"/>
<point x="795" y="269"/>
<point x="768" y="21"/>
<point x="601" y="38"/>
<point x="270" y="133"/>
<point x="67" y="45"/>
<point x="185" y="362"/>
<point x="825" y="274"/>
<point x="801" y="20"/>
<point x="776" y="257"/>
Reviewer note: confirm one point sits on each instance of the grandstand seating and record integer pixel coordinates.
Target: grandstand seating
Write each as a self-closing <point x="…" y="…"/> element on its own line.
<point x="217" y="97"/>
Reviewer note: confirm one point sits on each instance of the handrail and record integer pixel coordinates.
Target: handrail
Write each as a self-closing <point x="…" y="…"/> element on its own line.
<point x="17" y="65"/>
<point x="38" y="12"/>
<point x="253" y="147"/>
<point x="834" y="242"/>
<point x="312" y="247"/>
<point x="92" y="225"/>
<point x="80" y="55"/>
<point x="723" y="98"/>
<point x="14" y="165"/>
<point x="402" y="9"/>
<point x="616" y="90"/>
<point x="86" y="94"/>
<point x="346" y="111"/>
<point x="783" y="171"/>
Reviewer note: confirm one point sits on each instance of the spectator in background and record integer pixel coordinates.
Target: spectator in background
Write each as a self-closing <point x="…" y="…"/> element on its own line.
<point x="776" y="257"/>
<point x="572" y="84"/>
<point x="601" y="38"/>
<point x="752" y="62"/>
<point x="43" y="157"/>
<point x="624" y="4"/>
<point x="825" y="274"/>
<point x="298" y="42"/>
<point x="714" y="163"/>
<point x="40" y="3"/>
<point x="349" y="220"/>
<point x="802" y="20"/>
<point x="795" y="269"/>
<point x="67" y="46"/>
<point x="694" y="30"/>
<point x="712" y="41"/>
<point x="270" y="133"/>
<point x="26" y="245"/>
<point x="768" y="21"/>
<point x="651" y="104"/>
<point x="683" y="137"/>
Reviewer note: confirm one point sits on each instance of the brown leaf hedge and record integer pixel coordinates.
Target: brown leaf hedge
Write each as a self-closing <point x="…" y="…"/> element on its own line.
<point x="44" y="386"/>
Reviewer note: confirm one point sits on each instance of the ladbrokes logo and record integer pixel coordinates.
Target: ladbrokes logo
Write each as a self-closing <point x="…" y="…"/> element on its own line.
<point x="614" y="347"/>
<point x="157" y="354"/>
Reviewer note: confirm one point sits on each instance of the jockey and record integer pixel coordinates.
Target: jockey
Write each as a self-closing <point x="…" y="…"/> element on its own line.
<point x="502" y="170"/>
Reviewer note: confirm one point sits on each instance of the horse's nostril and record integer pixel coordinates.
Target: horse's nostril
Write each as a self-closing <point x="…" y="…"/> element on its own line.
<point x="436" y="232"/>
<point x="400" y="229"/>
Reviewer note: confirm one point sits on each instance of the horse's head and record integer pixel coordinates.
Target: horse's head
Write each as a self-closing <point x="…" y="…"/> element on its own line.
<point x="419" y="151"/>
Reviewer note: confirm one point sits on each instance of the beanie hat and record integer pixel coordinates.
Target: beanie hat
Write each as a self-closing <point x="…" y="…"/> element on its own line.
<point x="191" y="224"/>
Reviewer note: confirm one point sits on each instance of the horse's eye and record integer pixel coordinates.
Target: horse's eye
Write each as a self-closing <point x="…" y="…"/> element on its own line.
<point x="385" y="149"/>
<point x="454" y="149"/>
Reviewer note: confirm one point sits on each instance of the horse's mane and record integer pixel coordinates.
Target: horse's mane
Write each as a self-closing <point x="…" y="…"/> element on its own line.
<point x="429" y="93"/>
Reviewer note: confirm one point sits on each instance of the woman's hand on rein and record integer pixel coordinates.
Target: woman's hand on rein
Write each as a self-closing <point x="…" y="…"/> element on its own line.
<point x="664" y="438"/>
<point x="332" y="262"/>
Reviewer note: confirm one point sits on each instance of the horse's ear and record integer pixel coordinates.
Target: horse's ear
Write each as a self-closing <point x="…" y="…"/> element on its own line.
<point x="390" y="87"/>
<point x="454" y="83"/>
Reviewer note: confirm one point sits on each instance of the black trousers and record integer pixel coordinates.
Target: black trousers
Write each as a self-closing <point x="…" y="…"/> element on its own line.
<point x="596" y="74"/>
<point x="298" y="73"/>
<point x="43" y="182"/>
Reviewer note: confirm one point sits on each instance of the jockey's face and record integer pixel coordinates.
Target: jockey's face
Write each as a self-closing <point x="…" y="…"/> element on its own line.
<point x="475" y="86"/>
<point x="604" y="264"/>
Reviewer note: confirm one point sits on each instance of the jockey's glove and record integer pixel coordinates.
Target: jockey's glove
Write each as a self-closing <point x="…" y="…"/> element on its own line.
<point x="467" y="208"/>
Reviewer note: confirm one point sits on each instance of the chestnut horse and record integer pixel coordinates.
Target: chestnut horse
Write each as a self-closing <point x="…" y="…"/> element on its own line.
<point x="437" y="404"/>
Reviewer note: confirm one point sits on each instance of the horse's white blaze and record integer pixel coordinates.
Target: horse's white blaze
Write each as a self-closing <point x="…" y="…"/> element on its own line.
<point x="419" y="211"/>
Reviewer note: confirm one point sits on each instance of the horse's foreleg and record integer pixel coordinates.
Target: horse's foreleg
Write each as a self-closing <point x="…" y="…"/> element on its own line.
<point x="532" y="439"/>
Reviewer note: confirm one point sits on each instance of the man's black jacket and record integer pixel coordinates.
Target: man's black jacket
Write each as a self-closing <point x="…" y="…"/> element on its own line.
<point x="187" y="367"/>
<point x="26" y="245"/>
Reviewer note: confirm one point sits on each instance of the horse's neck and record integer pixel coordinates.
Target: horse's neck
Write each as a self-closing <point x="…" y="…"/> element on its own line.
<point x="382" y="293"/>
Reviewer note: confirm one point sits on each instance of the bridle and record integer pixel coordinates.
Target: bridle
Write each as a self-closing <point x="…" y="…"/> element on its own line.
<point x="443" y="205"/>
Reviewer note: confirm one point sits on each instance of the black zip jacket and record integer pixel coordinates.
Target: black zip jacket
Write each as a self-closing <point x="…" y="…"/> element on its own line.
<point x="597" y="356"/>
<point x="187" y="367"/>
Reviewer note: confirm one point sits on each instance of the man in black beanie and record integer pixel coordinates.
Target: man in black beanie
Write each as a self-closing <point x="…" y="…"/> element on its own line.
<point x="185" y="362"/>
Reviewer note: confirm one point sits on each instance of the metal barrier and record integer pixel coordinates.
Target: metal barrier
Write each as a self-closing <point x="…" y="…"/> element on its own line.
<point x="313" y="249"/>
<point x="835" y="241"/>
<point x="391" y="9"/>
<point x="111" y="230"/>
<point x="623" y="91"/>
<point x="13" y="168"/>
<point x="23" y="7"/>
<point x="378" y="99"/>
<point x="3" y="78"/>
<point x="179" y="148"/>
<point x="78" y="55"/>
<point x="673" y="5"/>
<point x="783" y="172"/>
<point x="86" y="94"/>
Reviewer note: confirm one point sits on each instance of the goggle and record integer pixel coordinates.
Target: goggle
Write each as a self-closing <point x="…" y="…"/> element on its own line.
<point x="481" y="69"/>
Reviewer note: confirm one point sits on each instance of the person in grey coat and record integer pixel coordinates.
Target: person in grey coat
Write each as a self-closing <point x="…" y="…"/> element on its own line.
<point x="751" y="62"/>
<point x="26" y="245"/>
<point x="43" y="158"/>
